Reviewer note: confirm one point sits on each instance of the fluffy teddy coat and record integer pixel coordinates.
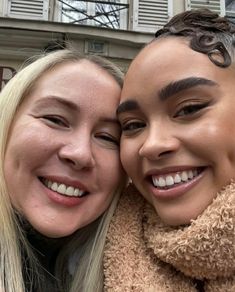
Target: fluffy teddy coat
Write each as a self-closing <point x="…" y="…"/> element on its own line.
<point x="144" y="255"/>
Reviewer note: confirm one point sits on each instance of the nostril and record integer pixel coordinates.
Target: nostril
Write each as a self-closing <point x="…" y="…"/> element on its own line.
<point x="164" y="153"/>
<point x="69" y="161"/>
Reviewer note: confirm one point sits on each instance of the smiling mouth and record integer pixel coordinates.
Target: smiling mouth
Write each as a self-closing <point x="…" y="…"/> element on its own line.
<point x="172" y="180"/>
<point x="63" y="189"/>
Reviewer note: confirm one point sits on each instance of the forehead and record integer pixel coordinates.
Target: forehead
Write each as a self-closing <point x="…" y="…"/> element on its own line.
<point x="82" y="83"/>
<point x="72" y="79"/>
<point x="168" y="52"/>
<point x="167" y="60"/>
<point x="74" y="71"/>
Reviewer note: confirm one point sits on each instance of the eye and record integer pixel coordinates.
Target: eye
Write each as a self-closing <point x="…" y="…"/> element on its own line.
<point x="56" y="120"/>
<point x="108" y="138"/>
<point x="132" y="126"/>
<point x="190" y="109"/>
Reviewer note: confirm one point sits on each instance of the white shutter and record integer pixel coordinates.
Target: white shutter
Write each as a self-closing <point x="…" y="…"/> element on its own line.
<point x="28" y="9"/>
<point x="214" y="5"/>
<point x="149" y="15"/>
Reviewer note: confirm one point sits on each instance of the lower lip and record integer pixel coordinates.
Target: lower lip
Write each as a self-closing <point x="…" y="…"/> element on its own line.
<point x="178" y="190"/>
<point x="63" y="200"/>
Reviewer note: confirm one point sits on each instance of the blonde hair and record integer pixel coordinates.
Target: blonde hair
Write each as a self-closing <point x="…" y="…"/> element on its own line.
<point x="11" y="236"/>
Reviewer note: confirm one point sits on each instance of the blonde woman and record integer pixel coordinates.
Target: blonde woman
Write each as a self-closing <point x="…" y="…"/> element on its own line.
<point x="60" y="172"/>
<point x="178" y="146"/>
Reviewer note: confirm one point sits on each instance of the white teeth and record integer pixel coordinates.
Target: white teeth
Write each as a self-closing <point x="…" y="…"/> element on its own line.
<point x="54" y="186"/>
<point x="63" y="189"/>
<point x="76" y="192"/>
<point x="170" y="179"/>
<point x="184" y="176"/>
<point x="177" y="178"/>
<point x="161" y="182"/>
<point x="69" y="191"/>
<point x="155" y="182"/>
<point x="190" y="174"/>
<point x="80" y="193"/>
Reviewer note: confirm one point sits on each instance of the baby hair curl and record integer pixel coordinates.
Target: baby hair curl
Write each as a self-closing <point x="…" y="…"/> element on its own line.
<point x="208" y="33"/>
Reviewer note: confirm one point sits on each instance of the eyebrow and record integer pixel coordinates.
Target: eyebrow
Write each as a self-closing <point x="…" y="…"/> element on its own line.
<point x="168" y="91"/>
<point x="51" y="100"/>
<point x="129" y="105"/>
<point x="183" y="84"/>
<point x="54" y="100"/>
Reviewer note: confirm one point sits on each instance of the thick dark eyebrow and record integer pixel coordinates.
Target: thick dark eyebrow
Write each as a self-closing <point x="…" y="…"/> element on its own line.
<point x="183" y="84"/>
<point x="129" y="105"/>
<point x="55" y="100"/>
<point x="168" y="91"/>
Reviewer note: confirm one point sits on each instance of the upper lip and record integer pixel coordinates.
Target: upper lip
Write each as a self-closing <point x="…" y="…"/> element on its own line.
<point x="67" y="181"/>
<point x="168" y="170"/>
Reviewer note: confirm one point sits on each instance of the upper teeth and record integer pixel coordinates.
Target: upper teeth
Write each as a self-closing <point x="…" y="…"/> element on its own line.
<point x="63" y="189"/>
<point x="171" y="179"/>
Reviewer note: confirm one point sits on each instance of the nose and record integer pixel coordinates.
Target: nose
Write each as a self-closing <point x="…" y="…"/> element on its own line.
<point x="78" y="153"/>
<point x="159" y="142"/>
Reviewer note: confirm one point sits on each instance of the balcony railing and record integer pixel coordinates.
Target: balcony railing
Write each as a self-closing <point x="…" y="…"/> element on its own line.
<point x="140" y="15"/>
<point x="110" y="14"/>
<point x="106" y="13"/>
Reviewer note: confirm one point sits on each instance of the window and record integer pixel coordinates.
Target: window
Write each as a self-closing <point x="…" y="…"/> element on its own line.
<point x="111" y="14"/>
<point x="28" y="9"/>
<point x="214" y="5"/>
<point x="6" y="73"/>
<point x="151" y="15"/>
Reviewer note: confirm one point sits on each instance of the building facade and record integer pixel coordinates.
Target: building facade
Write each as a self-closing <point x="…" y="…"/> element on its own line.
<point x="116" y="29"/>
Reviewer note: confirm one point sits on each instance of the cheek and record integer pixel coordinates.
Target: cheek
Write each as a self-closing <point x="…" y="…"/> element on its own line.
<point x="24" y="151"/>
<point x="124" y="155"/>
<point x="111" y="171"/>
<point x="129" y="157"/>
<point x="213" y="140"/>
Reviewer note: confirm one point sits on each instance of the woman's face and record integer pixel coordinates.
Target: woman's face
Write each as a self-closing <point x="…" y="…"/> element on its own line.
<point x="177" y="115"/>
<point x="62" y="161"/>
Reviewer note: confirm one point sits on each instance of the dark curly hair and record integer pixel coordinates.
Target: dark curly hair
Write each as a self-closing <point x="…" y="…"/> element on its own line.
<point x="208" y="33"/>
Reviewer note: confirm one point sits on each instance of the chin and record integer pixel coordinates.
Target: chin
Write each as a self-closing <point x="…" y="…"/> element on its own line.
<point x="54" y="233"/>
<point x="176" y="220"/>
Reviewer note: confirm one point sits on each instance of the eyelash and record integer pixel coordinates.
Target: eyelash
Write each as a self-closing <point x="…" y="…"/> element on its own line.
<point x="57" y="120"/>
<point x="132" y="126"/>
<point x="108" y="138"/>
<point x="192" y="109"/>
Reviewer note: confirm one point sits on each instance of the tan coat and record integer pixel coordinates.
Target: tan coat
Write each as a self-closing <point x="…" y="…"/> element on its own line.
<point x="144" y="255"/>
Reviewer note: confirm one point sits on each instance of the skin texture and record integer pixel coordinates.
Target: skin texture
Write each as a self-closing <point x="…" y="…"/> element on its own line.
<point x="191" y="128"/>
<point x="75" y="144"/>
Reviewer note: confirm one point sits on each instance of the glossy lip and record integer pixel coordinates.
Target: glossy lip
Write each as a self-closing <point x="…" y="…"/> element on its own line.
<point x="178" y="190"/>
<point x="60" y="199"/>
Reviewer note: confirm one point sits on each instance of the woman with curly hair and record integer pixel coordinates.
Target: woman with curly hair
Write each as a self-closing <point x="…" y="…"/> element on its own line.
<point x="176" y="230"/>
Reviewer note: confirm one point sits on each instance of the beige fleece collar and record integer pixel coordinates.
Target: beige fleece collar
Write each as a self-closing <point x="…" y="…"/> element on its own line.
<point x="206" y="248"/>
<point x="139" y="248"/>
